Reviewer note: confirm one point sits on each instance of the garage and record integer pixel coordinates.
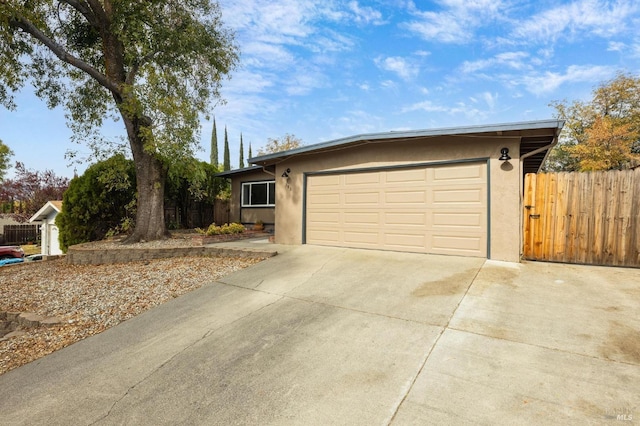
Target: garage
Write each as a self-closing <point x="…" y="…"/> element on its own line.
<point x="455" y="191"/>
<point x="427" y="208"/>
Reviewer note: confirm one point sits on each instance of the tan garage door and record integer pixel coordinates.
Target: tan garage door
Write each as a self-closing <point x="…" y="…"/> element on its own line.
<point x="436" y="209"/>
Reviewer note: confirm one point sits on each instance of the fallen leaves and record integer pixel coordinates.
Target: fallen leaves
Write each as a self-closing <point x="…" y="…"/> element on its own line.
<point x="92" y="298"/>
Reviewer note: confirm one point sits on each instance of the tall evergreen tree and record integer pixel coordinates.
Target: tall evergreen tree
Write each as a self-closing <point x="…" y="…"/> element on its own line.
<point x="214" y="145"/>
<point x="227" y="157"/>
<point x="250" y="154"/>
<point x="241" y="152"/>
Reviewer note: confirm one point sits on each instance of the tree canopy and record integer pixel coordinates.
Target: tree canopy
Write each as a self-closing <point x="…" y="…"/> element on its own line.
<point x="283" y="143"/>
<point x="602" y="133"/>
<point x="154" y="65"/>
<point x="29" y="190"/>
<point x="5" y="156"/>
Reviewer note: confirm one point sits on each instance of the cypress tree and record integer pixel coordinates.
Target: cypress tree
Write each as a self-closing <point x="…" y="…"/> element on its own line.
<point x="250" y="154"/>
<point x="227" y="157"/>
<point x="214" y="146"/>
<point x="241" y="153"/>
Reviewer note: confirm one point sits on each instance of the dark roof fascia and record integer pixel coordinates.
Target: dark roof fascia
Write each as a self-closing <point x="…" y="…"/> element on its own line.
<point x="448" y="131"/>
<point x="230" y="173"/>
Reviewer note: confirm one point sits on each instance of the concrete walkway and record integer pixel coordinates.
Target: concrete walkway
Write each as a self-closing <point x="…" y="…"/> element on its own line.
<point x="320" y="336"/>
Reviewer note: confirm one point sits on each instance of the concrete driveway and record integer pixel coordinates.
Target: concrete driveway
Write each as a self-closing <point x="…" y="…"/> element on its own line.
<point x="337" y="336"/>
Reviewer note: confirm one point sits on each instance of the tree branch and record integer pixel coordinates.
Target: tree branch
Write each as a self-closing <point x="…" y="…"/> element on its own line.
<point x="84" y="9"/>
<point x="65" y="56"/>
<point x="131" y="75"/>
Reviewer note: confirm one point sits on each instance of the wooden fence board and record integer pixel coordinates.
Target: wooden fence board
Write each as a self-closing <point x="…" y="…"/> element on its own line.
<point x="588" y="218"/>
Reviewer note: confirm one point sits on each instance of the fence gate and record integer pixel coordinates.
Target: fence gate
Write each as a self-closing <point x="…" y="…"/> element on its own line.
<point x="588" y="218"/>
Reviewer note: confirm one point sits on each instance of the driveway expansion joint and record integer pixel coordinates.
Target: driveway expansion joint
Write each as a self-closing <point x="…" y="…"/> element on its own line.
<point x="433" y="346"/>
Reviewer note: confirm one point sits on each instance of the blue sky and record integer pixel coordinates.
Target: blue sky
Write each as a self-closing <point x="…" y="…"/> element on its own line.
<point x="322" y="70"/>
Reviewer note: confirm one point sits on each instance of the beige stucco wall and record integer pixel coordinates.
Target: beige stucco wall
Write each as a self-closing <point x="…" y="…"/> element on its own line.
<point x="249" y="215"/>
<point x="504" y="181"/>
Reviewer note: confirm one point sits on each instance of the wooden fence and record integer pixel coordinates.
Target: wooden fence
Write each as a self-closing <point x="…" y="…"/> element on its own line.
<point x="20" y="234"/>
<point x="588" y="218"/>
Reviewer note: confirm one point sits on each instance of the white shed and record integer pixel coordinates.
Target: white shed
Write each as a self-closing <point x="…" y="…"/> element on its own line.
<point x="47" y="215"/>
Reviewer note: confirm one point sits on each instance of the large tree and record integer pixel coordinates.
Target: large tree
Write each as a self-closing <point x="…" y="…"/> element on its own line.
<point x="5" y="155"/>
<point x="226" y="166"/>
<point x="154" y="64"/>
<point x="213" y="158"/>
<point x="241" y="162"/>
<point x="602" y="133"/>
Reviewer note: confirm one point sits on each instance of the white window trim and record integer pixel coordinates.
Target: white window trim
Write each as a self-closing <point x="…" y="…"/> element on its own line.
<point x="262" y="182"/>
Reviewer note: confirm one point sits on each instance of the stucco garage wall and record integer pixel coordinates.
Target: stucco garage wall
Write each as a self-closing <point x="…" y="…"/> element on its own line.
<point x="504" y="181"/>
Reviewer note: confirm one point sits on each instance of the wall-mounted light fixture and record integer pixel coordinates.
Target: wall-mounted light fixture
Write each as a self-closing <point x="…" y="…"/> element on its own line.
<point x="285" y="174"/>
<point x="504" y="154"/>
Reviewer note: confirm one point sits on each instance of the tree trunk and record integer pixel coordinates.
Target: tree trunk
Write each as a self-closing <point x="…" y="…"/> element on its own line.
<point x="150" y="180"/>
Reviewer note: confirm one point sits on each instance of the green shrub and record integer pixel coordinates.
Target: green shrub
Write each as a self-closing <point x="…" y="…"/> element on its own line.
<point x="99" y="203"/>
<point x="227" y="228"/>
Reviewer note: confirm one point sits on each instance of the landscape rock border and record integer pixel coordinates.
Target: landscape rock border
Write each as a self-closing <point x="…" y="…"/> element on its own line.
<point x="90" y="254"/>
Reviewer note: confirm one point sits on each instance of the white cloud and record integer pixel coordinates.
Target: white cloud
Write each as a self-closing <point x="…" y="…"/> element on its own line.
<point x="548" y="82"/>
<point x="513" y="60"/>
<point x="490" y="99"/>
<point x="576" y="19"/>
<point x="365" y="14"/>
<point x="389" y="84"/>
<point x="457" y="20"/>
<point x="305" y="81"/>
<point x="458" y="108"/>
<point x="427" y="106"/>
<point x="616" y="46"/>
<point x="398" y="65"/>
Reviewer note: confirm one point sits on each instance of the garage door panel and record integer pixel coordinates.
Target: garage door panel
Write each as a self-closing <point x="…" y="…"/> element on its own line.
<point x="459" y="173"/>
<point x="356" y="218"/>
<point x="450" y="243"/>
<point x="362" y="179"/>
<point x="401" y="241"/>
<point x="440" y="209"/>
<point x="365" y="236"/>
<point x="353" y="198"/>
<point x="324" y="218"/>
<point x="417" y="176"/>
<point x="320" y="199"/>
<point x="325" y="182"/>
<point x="323" y="236"/>
<point x="405" y="218"/>
<point x="459" y="196"/>
<point x="405" y="197"/>
<point x="450" y="219"/>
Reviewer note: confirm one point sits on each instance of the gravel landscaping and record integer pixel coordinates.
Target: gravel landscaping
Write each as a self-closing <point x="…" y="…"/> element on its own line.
<point x="88" y="299"/>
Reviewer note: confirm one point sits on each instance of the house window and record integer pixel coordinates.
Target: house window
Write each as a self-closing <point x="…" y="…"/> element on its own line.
<point x="259" y="194"/>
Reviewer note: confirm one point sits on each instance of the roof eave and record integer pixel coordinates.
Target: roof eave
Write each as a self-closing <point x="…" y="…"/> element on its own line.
<point x="44" y="212"/>
<point x="478" y="129"/>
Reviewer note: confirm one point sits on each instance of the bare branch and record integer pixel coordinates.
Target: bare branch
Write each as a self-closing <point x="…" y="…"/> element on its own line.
<point x="65" y="56"/>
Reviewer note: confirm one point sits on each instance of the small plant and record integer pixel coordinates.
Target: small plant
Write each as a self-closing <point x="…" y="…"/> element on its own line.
<point x="258" y="226"/>
<point x="227" y="228"/>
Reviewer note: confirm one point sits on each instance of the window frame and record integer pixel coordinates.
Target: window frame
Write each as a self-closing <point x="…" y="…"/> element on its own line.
<point x="245" y="204"/>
